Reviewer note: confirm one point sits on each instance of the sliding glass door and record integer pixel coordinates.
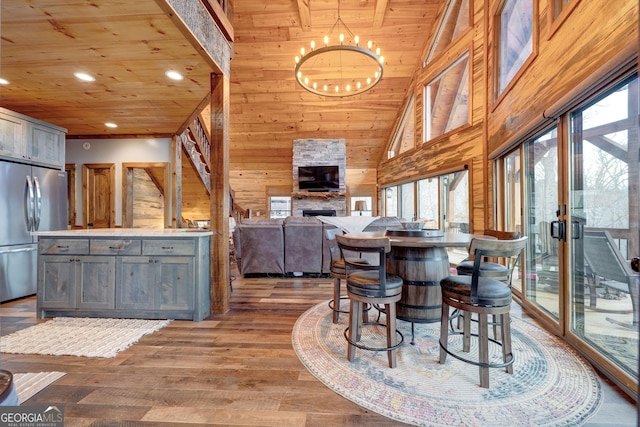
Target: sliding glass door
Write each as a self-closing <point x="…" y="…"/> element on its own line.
<point x="512" y="195"/>
<point x="541" y="210"/>
<point x="581" y="213"/>
<point x="605" y="231"/>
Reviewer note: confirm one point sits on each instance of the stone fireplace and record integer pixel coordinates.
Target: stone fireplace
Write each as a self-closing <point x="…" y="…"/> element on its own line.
<point x="319" y="152"/>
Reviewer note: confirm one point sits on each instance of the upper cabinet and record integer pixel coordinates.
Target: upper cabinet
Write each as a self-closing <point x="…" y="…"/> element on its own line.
<point x="29" y="140"/>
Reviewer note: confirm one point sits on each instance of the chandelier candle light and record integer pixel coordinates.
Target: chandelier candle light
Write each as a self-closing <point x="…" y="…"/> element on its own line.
<point x="339" y="70"/>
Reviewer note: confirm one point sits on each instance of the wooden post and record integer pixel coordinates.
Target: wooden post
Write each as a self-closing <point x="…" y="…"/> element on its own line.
<point x="176" y="182"/>
<point x="219" y="197"/>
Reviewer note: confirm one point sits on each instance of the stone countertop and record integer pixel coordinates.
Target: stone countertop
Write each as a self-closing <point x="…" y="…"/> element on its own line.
<point x="126" y="232"/>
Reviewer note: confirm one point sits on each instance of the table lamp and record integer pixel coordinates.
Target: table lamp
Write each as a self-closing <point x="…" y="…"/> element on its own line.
<point x="360" y="206"/>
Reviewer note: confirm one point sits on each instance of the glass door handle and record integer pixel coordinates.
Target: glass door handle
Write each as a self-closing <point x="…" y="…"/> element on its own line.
<point x="558" y="230"/>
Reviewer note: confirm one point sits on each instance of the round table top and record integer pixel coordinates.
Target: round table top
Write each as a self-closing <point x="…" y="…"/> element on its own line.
<point x="460" y="240"/>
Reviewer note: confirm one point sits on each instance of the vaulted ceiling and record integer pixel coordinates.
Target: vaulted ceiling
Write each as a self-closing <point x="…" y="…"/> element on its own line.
<point x="270" y="110"/>
<point x="128" y="46"/>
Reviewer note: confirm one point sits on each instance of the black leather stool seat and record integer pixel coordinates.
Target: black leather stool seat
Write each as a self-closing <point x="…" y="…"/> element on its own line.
<point x="487" y="268"/>
<point x="491" y="292"/>
<point x="367" y="284"/>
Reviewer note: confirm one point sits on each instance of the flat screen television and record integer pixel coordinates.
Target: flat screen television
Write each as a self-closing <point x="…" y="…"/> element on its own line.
<point x="318" y="178"/>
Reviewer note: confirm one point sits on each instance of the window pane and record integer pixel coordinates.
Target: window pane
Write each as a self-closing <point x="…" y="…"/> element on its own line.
<point x="407" y="198"/>
<point x="455" y="209"/>
<point x="455" y="21"/>
<point x="541" y="204"/>
<point x="279" y="206"/>
<point x="455" y="193"/>
<point x="447" y="100"/>
<point x="516" y="39"/>
<point x="403" y="140"/>
<point x="428" y="205"/>
<point x="391" y="201"/>
<point x="559" y="6"/>
<point x="512" y="201"/>
<point x="605" y="188"/>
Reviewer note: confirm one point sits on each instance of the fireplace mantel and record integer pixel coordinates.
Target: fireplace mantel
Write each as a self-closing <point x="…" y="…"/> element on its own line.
<point x="318" y="194"/>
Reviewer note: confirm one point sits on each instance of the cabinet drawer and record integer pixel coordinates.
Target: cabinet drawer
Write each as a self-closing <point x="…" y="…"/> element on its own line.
<point x="63" y="246"/>
<point x="115" y="247"/>
<point x="168" y="247"/>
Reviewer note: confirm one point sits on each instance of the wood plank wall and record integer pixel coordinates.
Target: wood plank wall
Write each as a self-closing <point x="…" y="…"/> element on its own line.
<point x="251" y="182"/>
<point x="594" y="34"/>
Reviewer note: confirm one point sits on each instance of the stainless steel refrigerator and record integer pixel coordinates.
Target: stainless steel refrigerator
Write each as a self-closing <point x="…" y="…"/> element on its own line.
<point x="32" y="198"/>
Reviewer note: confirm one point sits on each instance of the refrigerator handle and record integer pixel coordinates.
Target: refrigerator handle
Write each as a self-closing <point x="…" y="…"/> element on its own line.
<point x="29" y="204"/>
<point x="38" y="207"/>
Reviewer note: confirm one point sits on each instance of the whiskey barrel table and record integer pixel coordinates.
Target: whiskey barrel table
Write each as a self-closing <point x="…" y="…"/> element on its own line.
<point x="422" y="262"/>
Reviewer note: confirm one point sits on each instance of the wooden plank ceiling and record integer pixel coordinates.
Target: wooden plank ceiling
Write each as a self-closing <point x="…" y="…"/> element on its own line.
<point x="128" y="45"/>
<point x="269" y="109"/>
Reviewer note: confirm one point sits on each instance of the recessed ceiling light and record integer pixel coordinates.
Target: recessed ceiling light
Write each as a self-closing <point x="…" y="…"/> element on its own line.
<point x="85" y="77"/>
<point x="111" y="125"/>
<point x="174" y="75"/>
<point x="4" y="81"/>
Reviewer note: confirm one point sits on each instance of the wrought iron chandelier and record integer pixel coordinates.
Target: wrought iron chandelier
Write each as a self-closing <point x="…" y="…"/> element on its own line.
<point x="339" y="70"/>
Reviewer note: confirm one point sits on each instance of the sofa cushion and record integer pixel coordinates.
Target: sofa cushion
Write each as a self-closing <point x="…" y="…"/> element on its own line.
<point x="261" y="246"/>
<point x="302" y="245"/>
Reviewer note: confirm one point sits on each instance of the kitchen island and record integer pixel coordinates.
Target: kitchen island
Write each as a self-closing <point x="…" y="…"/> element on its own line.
<point x="124" y="273"/>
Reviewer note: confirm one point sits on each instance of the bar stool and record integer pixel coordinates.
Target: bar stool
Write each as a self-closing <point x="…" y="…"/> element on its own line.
<point x="337" y="270"/>
<point x="484" y="296"/>
<point x="493" y="269"/>
<point x="488" y="268"/>
<point x="370" y="284"/>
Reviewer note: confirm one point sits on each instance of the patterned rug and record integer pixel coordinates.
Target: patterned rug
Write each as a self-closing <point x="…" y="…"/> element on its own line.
<point x="551" y="384"/>
<point x="85" y="336"/>
<point x="30" y="383"/>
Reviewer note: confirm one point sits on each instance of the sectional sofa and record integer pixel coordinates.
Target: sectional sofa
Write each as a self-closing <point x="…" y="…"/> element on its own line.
<point x="289" y="245"/>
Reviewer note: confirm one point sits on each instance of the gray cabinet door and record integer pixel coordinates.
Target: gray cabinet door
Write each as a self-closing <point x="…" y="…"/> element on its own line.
<point x="73" y="281"/>
<point x="11" y="136"/>
<point x="136" y="277"/>
<point x="97" y="280"/>
<point x="46" y="144"/>
<point x="174" y="283"/>
<point x="58" y="277"/>
<point x="155" y="283"/>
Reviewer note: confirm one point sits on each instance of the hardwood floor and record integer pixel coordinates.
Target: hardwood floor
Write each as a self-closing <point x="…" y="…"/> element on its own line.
<point x="233" y="369"/>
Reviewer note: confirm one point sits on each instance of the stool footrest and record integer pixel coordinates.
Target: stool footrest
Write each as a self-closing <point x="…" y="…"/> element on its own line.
<point x="364" y="347"/>
<point x="332" y="305"/>
<point x="476" y="363"/>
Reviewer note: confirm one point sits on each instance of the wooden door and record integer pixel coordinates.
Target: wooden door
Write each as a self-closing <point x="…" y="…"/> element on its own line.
<point x="99" y="204"/>
<point x="144" y="190"/>
<point x="71" y="193"/>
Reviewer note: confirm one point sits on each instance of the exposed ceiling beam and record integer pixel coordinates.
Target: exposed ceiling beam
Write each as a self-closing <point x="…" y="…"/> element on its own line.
<point x="305" y="14"/>
<point x="378" y="14"/>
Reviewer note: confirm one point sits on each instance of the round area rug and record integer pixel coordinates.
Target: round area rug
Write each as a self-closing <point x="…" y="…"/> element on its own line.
<point x="551" y="384"/>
